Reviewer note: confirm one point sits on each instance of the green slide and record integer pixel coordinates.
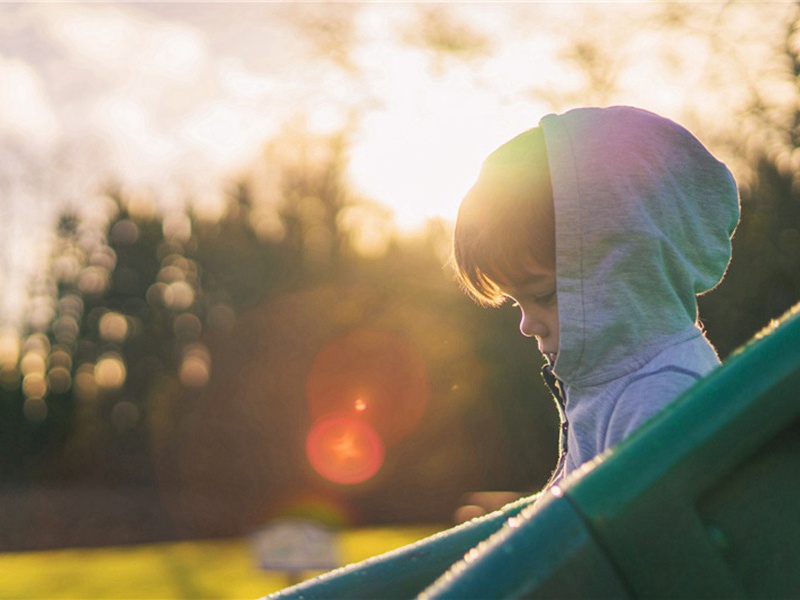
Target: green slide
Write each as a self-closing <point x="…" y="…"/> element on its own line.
<point x="702" y="502"/>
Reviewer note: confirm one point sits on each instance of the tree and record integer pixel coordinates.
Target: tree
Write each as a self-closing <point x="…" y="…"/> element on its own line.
<point x="764" y="277"/>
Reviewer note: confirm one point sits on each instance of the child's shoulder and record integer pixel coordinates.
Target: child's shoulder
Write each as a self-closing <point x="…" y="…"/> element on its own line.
<point x="673" y="370"/>
<point x="688" y="351"/>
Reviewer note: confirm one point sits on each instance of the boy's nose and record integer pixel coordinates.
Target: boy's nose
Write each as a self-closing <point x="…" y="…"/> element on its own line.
<point x="529" y="326"/>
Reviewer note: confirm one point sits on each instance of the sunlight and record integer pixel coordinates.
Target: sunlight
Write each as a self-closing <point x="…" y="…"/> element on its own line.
<point x="419" y="158"/>
<point x="418" y="173"/>
<point x="152" y="95"/>
<point x="422" y="150"/>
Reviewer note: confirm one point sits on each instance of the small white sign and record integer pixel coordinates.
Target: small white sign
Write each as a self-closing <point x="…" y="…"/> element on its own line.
<point x="296" y="545"/>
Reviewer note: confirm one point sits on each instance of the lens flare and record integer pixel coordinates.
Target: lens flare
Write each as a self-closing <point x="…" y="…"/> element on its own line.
<point x="375" y="376"/>
<point x="344" y="450"/>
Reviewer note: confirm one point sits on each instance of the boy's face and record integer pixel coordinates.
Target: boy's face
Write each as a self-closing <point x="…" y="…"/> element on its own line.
<point x="533" y="290"/>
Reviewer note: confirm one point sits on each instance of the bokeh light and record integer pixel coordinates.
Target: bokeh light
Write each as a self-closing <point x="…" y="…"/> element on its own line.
<point x="187" y="327"/>
<point x="125" y="232"/>
<point x="110" y="372"/>
<point x="344" y="450"/>
<point x="32" y="362"/>
<point x="37" y="342"/>
<point x="9" y="348"/>
<point x="60" y="358"/>
<point x="376" y="376"/>
<point x="35" y="410"/>
<point x="34" y="386"/>
<point x="254" y="207"/>
<point x="195" y="368"/>
<point x="9" y="358"/>
<point x="103" y="257"/>
<point x="59" y="380"/>
<point x="155" y="293"/>
<point x="124" y="416"/>
<point x="113" y="327"/>
<point x="93" y="280"/>
<point x="67" y="267"/>
<point x="179" y="295"/>
<point x="66" y="329"/>
<point x="177" y="226"/>
<point x="84" y="384"/>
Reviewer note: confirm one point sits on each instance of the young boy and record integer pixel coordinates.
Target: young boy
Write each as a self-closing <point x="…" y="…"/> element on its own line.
<point x="602" y="225"/>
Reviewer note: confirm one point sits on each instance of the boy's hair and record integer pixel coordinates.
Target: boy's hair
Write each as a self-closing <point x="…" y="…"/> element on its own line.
<point x="506" y="220"/>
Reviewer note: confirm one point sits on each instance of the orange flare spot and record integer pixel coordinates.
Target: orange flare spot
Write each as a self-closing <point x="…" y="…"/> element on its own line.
<point x="344" y="450"/>
<point x="371" y="369"/>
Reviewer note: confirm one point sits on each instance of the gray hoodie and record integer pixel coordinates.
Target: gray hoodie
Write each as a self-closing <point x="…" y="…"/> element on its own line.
<point x="644" y="217"/>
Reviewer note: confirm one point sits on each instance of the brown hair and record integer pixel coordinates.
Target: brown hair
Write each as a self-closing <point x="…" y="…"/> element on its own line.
<point x="506" y="220"/>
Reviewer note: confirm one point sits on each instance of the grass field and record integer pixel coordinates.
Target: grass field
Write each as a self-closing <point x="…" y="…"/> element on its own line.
<point x="201" y="569"/>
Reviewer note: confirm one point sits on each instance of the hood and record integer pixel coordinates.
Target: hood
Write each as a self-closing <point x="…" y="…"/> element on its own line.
<point x="644" y="217"/>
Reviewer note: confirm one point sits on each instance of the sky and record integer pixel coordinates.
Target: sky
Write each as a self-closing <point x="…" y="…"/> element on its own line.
<point x="180" y="96"/>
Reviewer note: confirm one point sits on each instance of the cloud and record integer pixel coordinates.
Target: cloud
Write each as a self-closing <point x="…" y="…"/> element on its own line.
<point x="25" y="111"/>
<point x="178" y="93"/>
<point x="125" y="43"/>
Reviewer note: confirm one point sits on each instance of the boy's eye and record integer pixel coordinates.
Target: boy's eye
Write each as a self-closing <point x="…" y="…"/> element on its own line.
<point x="540" y="299"/>
<point x="545" y="299"/>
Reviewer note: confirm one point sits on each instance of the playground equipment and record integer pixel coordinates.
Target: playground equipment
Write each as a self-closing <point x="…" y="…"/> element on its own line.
<point x="702" y="502"/>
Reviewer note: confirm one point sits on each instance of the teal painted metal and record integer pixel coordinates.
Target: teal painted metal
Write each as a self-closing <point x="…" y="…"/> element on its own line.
<point x="702" y="502"/>
<point x="550" y="556"/>
<point x="405" y="572"/>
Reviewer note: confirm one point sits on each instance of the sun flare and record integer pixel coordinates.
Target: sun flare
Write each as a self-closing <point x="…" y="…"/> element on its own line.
<point x="422" y="149"/>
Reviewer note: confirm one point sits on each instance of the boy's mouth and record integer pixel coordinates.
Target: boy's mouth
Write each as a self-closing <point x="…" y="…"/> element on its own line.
<point x="544" y="346"/>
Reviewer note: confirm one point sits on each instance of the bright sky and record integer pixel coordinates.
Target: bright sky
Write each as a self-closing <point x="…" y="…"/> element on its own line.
<point x="178" y="95"/>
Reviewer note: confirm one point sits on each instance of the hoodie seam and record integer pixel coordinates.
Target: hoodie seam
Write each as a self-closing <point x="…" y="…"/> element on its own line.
<point x="581" y="237"/>
<point x="639" y="377"/>
<point x="665" y="369"/>
<point x="619" y="295"/>
<point x="638" y="362"/>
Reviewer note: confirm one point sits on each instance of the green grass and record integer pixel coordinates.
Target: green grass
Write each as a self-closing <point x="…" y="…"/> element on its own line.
<point x="200" y="569"/>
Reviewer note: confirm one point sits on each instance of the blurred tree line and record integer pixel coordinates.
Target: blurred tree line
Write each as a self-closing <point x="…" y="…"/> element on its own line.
<point x="170" y="351"/>
<point x="763" y="280"/>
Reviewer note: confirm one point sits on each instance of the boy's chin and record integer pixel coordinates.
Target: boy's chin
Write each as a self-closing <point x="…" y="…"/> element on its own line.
<point x="547" y="349"/>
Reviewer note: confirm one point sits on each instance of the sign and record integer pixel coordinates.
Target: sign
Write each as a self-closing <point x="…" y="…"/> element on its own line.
<point x="296" y="545"/>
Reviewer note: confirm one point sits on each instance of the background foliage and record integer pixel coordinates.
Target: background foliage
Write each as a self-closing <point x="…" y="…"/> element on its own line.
<point x="160" y="388"/>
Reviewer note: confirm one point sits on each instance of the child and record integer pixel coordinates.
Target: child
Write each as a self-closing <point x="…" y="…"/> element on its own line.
<point x="602" y="225"/>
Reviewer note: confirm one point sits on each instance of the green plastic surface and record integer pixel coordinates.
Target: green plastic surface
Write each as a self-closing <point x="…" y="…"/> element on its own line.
<point x="405" y="572"/>
<point x="545" y="552"/>
<point x="702" y="502"/>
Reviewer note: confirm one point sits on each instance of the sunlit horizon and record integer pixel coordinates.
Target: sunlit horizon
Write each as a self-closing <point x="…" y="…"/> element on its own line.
<point x="178" y="98"/>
